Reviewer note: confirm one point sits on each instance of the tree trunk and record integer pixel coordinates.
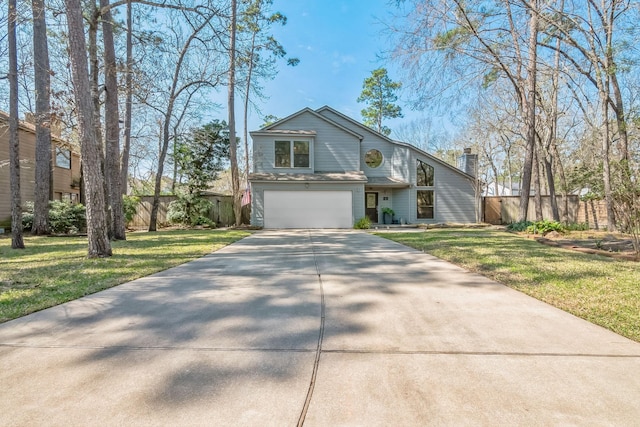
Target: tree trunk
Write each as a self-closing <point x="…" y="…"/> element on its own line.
<point x="563" y="183"/>
<point x="99" y="245"/>
<point x="126" y="148"/>
<point x="94" y="82"/>
<point x="551" y="145"/>
<point x="623" y="145"/>
<point x="112" y="128"/>
<point x="246" y="105"/>
<point x="552" y="188"/>
<point x="606" y="165"/>
<point x="594" y="214"/>
<point x="537" y="187"/>
<point x="530" y="113"/>
<point x="17" y="242"/>
<point x="94" y="72"/>
<point x="42" y="84"/>
<point x="233" y="143"/>
<point x="153" y="218"/>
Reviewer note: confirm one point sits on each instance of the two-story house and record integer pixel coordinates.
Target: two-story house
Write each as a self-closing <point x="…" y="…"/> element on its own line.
<point x="65" y="175"/>
<point x="322" y="169"/>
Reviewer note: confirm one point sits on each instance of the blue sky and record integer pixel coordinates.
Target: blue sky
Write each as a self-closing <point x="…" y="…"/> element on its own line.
<point x="338" y="44"/>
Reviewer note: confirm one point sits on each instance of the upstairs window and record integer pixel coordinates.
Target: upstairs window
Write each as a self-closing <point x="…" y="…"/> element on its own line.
<point x="425" y="174"/>
<point x="300" y="154"/>
<point x="63" y="158"/>
<point x="283" y="154"/>
<point x="291" y="154"/>
<point x="373" y="158"/>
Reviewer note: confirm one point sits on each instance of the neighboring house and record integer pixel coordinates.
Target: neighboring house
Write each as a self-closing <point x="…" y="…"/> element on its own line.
<point x="490" y="189"/>
<point x="322" y="169"/>
<point x="66" y="168"/>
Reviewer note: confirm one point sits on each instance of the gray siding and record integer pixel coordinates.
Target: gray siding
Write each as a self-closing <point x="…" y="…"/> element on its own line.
<point x="395" y="156"/>
<point x="402" y="204"/>
<point x="263" y="153"/>
<point x="337" y="150"/>
<point x="258" y="188"/>
<point x="454" y="194"/>
<point x="334" y="150"/>
<point x="455" y="198"/>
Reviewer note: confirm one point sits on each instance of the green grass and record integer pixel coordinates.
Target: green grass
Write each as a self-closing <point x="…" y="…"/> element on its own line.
<point x="599" y="289"/>
<point x="53" y="270"/>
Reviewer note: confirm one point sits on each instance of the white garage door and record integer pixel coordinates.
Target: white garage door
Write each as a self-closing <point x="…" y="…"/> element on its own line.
<point x="307" y="209"/>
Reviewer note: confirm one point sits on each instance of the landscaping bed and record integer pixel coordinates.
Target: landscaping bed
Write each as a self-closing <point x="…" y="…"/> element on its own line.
<point x="593" y="242"/>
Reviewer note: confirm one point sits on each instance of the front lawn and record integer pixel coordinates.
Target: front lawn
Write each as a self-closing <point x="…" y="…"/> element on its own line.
<point x="599" y="289"/>
<point x="53" y="270"/>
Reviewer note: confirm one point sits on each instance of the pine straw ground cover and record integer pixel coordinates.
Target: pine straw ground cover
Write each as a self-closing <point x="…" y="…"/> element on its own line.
<point x="53" y="270"/>
<point x="600" y="289"/>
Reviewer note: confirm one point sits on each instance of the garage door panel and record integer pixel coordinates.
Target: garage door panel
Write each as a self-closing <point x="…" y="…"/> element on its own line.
<point x="307" y="209"/>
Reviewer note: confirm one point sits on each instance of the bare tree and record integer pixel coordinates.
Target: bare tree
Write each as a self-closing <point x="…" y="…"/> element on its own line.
<point x="17" y="241"/>
<point x="233" y="147"/>
<point x="421" y="133"/>
<point x="528" y="103"/>
<point x="99" y="245"/>
<point x="469" y="42"/>
<point x="126" y="148"/>
<point x="112" y="128"/>
<point x="182" y="85"/>
<point x="43" y="173"/>
<point x="588" y="37"/>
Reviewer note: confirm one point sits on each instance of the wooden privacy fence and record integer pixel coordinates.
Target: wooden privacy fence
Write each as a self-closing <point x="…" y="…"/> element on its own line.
<point x="504" y="210"/>
<point x="221" y="212"/>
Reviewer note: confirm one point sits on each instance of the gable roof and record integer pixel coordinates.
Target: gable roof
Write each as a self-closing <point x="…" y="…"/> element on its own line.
<point x="352" y="121"/>
<point x="315" y="114"/>
<point x="358" y="125"/>
<point x="31" y="128"/>
<point x="392" y="141"/>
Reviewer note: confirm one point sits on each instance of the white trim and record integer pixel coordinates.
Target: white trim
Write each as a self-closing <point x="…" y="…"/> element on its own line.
<point x="292" y="140"/>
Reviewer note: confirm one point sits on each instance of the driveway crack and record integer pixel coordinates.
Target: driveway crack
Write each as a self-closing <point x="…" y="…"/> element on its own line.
<point x="316" y="362"/>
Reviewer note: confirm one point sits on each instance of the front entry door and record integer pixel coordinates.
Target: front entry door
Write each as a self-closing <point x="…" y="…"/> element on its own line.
<point x="371" y="206"/>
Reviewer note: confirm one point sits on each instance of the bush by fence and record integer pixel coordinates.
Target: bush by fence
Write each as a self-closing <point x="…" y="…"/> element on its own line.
<point x="221" y="211"/>
<point x="504" y="210"/>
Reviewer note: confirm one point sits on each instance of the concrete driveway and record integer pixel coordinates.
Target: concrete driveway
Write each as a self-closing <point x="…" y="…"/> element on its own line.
<point x="316" y="327"/>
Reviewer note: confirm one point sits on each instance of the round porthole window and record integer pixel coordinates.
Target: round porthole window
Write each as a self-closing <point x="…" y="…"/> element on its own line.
<point x="373" y="158"/>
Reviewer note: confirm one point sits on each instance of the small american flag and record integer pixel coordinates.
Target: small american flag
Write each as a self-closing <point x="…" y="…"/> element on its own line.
<point x="246" y="196"/>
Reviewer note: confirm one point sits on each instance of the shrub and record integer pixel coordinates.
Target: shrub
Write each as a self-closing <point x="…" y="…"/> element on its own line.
<point x="27" y="216"/>
<point x="64" y="217"/>
<point x="537" y="227"/>
<point x="130" y="206"/>
<point x="67" y="218"/>
<point x="190" y="211"/>
<point x="363" y="223"/>
<point x="519" y="226"/>
<point x="577" y="226"/>
<point x="546" y="226"/>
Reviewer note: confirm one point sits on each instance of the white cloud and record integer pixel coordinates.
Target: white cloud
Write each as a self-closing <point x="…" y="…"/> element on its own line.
<point x="348" y="59"/>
